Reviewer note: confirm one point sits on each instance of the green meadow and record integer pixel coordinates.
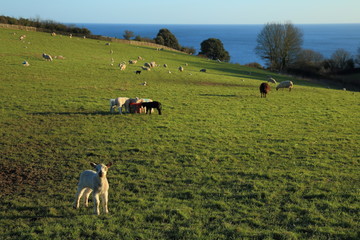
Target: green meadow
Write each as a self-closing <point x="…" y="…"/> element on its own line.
<point x="219" y="163"/>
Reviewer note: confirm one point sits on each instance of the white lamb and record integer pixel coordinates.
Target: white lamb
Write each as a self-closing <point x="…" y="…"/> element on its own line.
<point x="271" y="80"/>
<point x="122" y="66"/>
<point x="47" y="57"/>
<point x="119" y="103"/>
<point x="181" y="69"/>
<point x="285" y="84"/>
<point x="96" y="182"/>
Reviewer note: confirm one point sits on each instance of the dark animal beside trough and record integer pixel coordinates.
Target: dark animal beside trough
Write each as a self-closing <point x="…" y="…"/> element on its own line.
<point x="151" y="105"/>
<point x="264" y="89"/>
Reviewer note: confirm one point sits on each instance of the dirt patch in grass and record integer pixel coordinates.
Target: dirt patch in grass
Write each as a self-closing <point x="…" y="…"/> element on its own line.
<point x="16" y="179"/>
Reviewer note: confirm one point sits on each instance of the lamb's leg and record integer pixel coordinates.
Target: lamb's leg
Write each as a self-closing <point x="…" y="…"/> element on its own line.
<point x="104" y="199"/>
<point x="120" y="110"/>
<point x="78" y="195"/>
<point x="96" y="203"/>
<point x="86" y="196"/>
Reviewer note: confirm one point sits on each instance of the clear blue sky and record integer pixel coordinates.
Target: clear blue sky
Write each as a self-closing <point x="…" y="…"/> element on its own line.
<point x="185" y="11"/>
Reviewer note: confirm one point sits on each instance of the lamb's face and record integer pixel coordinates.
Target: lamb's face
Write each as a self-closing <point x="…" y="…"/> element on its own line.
<point x="101" y="170"/>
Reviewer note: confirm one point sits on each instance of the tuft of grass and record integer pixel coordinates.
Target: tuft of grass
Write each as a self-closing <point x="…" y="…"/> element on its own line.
<point x="220" y="163"/>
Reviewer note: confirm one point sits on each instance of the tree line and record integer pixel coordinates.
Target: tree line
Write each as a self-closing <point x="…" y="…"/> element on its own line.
<point x="211" y="48"/>
<point x="279" y="45"/>
<point x="46" y="25"/>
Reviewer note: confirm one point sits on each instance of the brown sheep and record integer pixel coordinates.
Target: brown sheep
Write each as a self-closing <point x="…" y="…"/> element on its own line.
<point x="264" y="89"/>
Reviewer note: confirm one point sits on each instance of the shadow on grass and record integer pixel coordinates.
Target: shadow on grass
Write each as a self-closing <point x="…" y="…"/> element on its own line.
<point x="41" y="212"/>
<point x="104" y="113"/>
<point x="217" y="95"/>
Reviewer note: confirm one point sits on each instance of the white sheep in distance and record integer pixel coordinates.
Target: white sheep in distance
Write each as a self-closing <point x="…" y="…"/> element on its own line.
<point x="47" y="57"/>
<point x="181" y="69"/>
<point x="132" y="61"/>
<point x="285" y="84"/>
<point x="271" y="80"/>
<point x="122" y="66"/>
<point x="119" y="103"/>
<point x="96" y="182"/>
<point x="22" y="37"/>
<point x="152" y="64"/>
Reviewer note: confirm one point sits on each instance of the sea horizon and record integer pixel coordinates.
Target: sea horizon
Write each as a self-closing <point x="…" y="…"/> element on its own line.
<point x="239" y="39"/>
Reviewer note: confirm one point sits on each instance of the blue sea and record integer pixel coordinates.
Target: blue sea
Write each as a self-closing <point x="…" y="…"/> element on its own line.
<point x="240" y="40"/>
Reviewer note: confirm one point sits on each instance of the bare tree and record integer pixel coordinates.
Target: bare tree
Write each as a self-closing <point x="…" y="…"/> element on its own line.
<point x="357" y="57"/>
<point x="342" y="60"/>
<point x="278" y="44"/>
<point x="309" y="57"/>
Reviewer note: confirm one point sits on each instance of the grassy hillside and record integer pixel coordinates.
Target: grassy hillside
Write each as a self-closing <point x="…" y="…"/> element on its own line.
<point x="220" y="163"/>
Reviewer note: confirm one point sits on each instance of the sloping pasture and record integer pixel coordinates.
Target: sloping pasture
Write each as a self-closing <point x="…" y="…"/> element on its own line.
<point x="220" y="163"/>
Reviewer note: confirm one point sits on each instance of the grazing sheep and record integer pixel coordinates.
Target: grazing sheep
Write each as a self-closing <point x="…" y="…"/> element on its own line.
<point x="26" y="64"/>
<point x="285" y="84"/>
<point x="70" y="35"/>
<point x="119" y="103"/>
<point x="181" y="69"/>
<point x="140" y="58"/>
<point x="152" y="64"/>
<point x="22" y="37"/>
<point x="132" y="61"/>
<point x="107" y="44"/>
<point x="203" y="70"/>
<point x="53" y="34"/>
<point x="96" y="182"/>
<point x="165" y="65"/>
<point x="148" y="65"/>
<point x="138" y="72"/>
<point x="47" y="57"/>
<point x="59" y="57"/>
<point x="144" y="84"/>
<point x="264" y="89"/>
<point x="150" y="105"/>
<point x="131" y="104"/>
<point x="271" y="80"/>
<point x="145" y="68"/>
<point x="122" y="66"/>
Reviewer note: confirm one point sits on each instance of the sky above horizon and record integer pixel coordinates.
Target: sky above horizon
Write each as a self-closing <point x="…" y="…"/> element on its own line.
<point x="186" y="11"/>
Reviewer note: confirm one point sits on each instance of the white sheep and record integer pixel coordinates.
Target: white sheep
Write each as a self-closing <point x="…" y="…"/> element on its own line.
<point x="96" y="182"/>
<point x="119" y="103"/>
<point x="152" y="64"/>
<point x="271" y="80"/>
<point x="26" y="63"/>
<point x="22" y="37"/>
<point x="181" y="69"/>
<point x="132" y="61"/>
<point x="47" y="57"/>
<point x="285" y="84"/>
<point x="148" y="65"/>
<point x="122" y="66"/>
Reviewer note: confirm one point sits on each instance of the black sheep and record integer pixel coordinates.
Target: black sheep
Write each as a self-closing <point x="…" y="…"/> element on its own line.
<point x="264" y="89"/>
<point x="150" y="105"/>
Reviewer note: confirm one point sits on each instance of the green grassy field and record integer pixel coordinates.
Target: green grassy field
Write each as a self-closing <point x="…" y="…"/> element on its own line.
<point x="220" y="163"/>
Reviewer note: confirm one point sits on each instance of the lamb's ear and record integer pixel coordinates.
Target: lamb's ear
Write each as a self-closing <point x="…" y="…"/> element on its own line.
<point x="109" y="164"/>
<point x="93" y="164"/>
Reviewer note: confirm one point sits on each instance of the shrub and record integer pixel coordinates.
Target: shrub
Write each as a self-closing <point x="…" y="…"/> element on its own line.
<point x="166" y="38"/>
<point x="213" y="48"/>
